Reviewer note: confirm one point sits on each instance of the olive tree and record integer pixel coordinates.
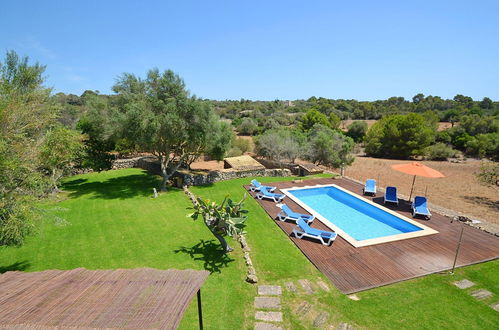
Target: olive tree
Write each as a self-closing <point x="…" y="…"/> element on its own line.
<point x="161" y="117"/>
<point x="330" y="148"/>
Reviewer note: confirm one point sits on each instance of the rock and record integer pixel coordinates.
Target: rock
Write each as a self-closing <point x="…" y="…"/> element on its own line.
<point x="291" y="286"/>
<point x="464" y="284"/>
<point x="303" y="308"/>
<point x="267" y="303"/>
<point x="251" y="278"/>
<point x="481" y="294"/>
<point x="269" y="290"/>
<point x="268" y="316"/>
<point x="321" y="319"/>
<point x="354" y="297"/>
<point x="462" y="218"/>
<point x="344" y="326"/>
<point x="266" y="326"/>
<point x="305" y="284"/>
<point x="323" y="286"/>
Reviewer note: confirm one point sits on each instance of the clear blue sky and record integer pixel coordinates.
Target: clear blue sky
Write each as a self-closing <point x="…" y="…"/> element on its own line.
<point x="265" y="50"/>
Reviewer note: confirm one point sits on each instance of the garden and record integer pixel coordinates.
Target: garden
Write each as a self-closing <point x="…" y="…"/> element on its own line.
<point x="109" y="220"/>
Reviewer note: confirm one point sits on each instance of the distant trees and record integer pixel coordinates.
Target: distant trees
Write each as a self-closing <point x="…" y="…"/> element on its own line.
<point x="399" y="136"/>
<point x="357" y="130"/>
<point x="280" y="144"/>
<point x="248" y="126"/>
<point x="159" y="116"/>
<point x="312" y="118"/>
<point x="330" y="148"/>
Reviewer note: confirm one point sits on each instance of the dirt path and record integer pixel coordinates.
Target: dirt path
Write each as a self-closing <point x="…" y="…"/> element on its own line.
<point x="458" y="191"/>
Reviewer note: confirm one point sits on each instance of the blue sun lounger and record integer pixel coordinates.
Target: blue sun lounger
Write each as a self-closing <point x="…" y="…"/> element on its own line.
<point x="256" y="186"/>
<point x="391" y="195"/>
<point x="287" y="214"/>
<point x="370" y="187"/>
<point x="420" y="207"/>
<point x="264" y="193"/>
<point x="304" y="230"/>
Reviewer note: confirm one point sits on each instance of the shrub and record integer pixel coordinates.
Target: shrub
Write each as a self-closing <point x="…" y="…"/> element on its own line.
<point x="483" y="145"/>
<point x="440" y="151"/>
<point x="357" y="130"/>
<point x="242" y="144"/>
<point x="399" y="136"/>
<point x="489" y="173"/>
<point x="248" y="126"/>
<point x="234" y="152"/>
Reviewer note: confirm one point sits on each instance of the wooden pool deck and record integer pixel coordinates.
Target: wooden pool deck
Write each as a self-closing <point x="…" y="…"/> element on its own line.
<point x="356" y="269"/>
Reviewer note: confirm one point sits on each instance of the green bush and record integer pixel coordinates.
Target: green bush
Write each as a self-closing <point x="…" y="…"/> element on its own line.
<point x="357" y="130"/>
<point x="483" y="145"/>
<point x="242" y="144"/>
<point x="248" y="126"/>
<point x="234" y="152"/>
<point x="439" y="151"/>
<point x="399" y="136"/>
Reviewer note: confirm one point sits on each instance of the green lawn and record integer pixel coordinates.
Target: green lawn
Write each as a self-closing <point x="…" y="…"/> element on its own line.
<point x="112" y="222"/>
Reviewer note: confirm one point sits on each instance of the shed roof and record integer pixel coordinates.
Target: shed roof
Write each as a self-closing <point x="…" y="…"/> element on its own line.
<point x="244" y="162"/>
<point x="122" y="298"/>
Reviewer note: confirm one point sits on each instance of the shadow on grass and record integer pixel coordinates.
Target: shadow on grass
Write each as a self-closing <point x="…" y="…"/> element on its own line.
<point x="210" y="252"/>
<point x="484" y="201"/>
<point x="122" y="187"/>
<point x="20" y="266"/>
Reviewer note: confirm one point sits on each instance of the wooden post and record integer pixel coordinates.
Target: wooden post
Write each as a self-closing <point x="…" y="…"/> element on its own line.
<point x="457" y="249"/>
<point x="412" y="188"/>
<point x="200" y="311"/>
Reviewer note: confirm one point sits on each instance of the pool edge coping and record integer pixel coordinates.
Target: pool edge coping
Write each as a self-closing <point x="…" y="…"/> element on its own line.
<point x="426" y="230"/>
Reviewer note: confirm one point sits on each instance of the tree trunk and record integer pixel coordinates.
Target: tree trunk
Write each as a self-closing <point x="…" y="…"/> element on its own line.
<point x="164" y="171"/>
<point x="225" y="245"/>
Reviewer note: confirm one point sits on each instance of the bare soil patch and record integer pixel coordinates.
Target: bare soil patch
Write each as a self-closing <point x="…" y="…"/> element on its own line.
<point x="459" y="190"/>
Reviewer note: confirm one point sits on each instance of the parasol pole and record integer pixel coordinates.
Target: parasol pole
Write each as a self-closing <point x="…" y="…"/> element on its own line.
<point x="412" y="188"/>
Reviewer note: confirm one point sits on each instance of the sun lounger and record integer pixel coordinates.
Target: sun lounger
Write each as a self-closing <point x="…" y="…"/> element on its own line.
<point x="420" y="207"/>
<point x="391" y="195"/>
<point x="370" y="187"/>
<point x="256" y="186"/>
<point x="304" y="230"/>
<point x="287" y="214"/>
<point x="264" y="193"/>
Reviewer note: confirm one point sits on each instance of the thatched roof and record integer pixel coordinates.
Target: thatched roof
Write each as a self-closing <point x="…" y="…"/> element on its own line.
<point x="80" y="298"/>
<point x="244" y="162"/>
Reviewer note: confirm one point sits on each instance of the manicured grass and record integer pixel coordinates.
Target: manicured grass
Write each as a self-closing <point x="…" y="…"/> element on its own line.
<point x="114" y="223"/>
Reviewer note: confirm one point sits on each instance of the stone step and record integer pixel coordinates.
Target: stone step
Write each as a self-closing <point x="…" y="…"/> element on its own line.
<point x="266" y="326"/>
<point x="481" y="294"/>
<point x="323" y="286"/>
<point x="344" y="326"/>
<point x="268" y="316"/>
<point x="291" y="287"/>
<point x="267" y="303"/>
<point x="464" y="284"/>
<point x="305" y="284"/>
<point x="303" y="308"/>
<point x="269" y="290"/>
<point x="321" y="319"/>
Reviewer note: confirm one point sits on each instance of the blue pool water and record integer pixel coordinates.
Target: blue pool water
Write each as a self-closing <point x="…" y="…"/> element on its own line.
<point x="355" y="217"/>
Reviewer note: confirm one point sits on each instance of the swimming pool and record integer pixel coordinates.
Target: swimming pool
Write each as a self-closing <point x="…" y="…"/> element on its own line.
<point x="358" y="220"/>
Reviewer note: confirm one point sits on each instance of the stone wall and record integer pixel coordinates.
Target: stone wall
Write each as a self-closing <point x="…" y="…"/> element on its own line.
<point x="198" y="179"/>
<point x="295" y="169"/>
<point x="182" y="177"/>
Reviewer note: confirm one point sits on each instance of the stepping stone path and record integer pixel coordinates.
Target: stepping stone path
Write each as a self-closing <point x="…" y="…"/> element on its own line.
<point x="268" y="303"/>
<point x="305" y="284"/>
<point x="344" y="326"/>
<point x="266" y="326"/>
<point x="495" y="306"/>
<point x="323" y="286"/>
<point x="354" y="297"/>
<point x="269" y="290"/>
<point x="291" y="287"/>
<point x="303" y="308"/>
<point x="269" y="316"/>
<point x="464" y="284"/>
<point x="481" y="294"/>
<point x="321" y="319"/>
